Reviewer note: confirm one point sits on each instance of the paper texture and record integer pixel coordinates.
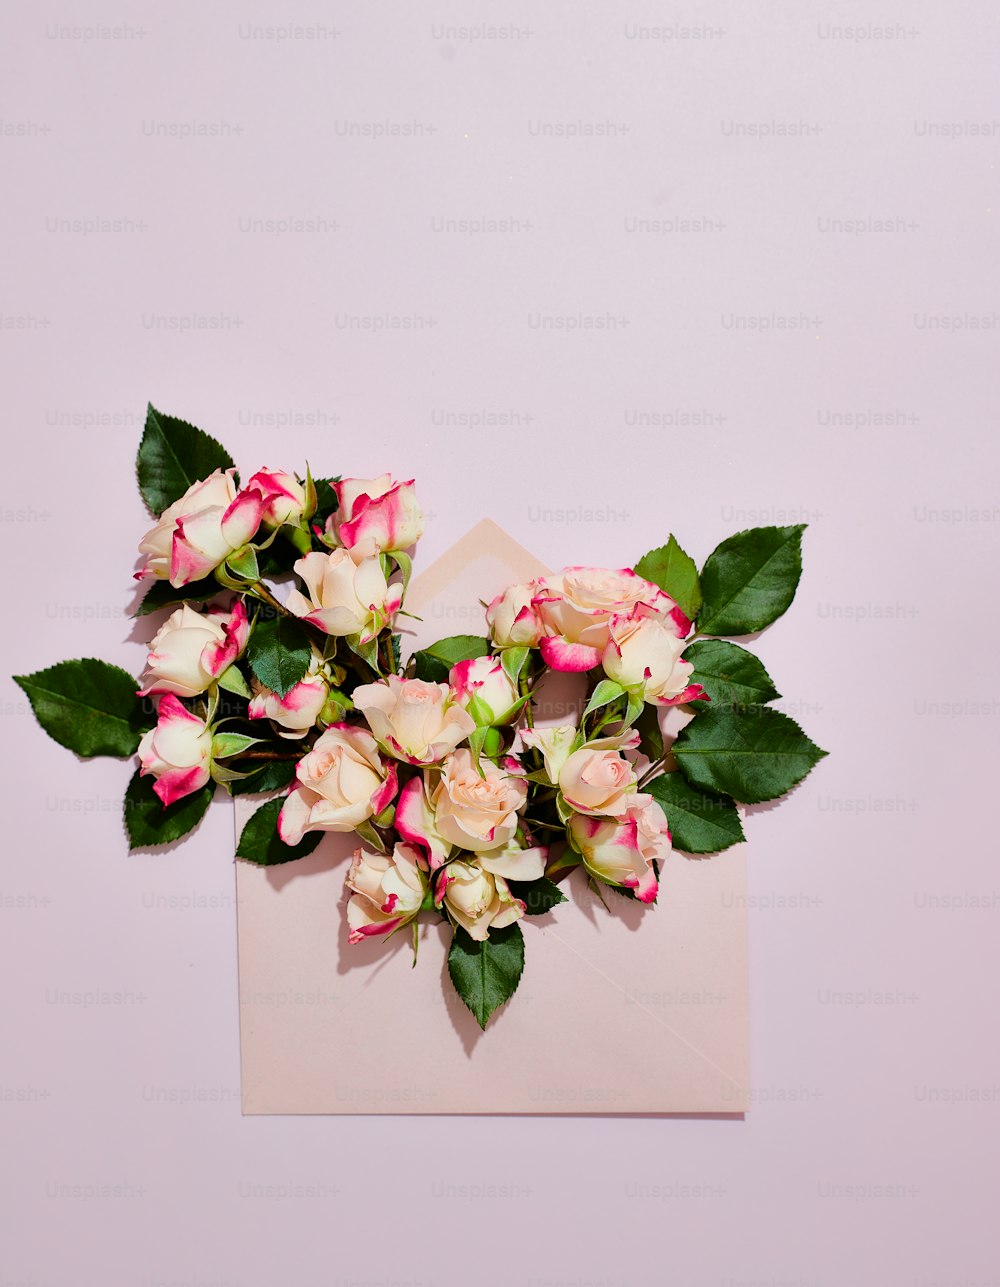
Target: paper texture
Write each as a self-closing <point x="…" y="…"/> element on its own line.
<point x="637" y="1011"/>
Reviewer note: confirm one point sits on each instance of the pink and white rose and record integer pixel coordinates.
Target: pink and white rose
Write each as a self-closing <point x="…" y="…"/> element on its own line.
<point x="300" y="708"/>
<point x="386" y="891"/>
<point x="643" y="654"/>
<point x="511" y="617"/>
<point x="191" y="649"/>
<point x="375" y="516"/>
<point x="341" y="783"/>
<point x="597" y="778"/>
<point x="284" y="496"/>
<point x="344" y="597"/>
<point x="576" y="607"/>
<point x="482" y="684"/>
<point x="177" y="752"/>
<point x="413" y="720"/>
<point x="621" y="850"/>
<point x="475" y="893"/>
<point x="473" y="810"/>
<point x="416" y="822"/>
<point x="197" y="533"/>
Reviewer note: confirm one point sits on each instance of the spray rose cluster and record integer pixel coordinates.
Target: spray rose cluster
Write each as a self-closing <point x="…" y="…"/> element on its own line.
<point x="279" y="671"/>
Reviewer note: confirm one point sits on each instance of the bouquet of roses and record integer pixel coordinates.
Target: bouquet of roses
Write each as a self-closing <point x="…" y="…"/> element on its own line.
<point x="279" y="669"/>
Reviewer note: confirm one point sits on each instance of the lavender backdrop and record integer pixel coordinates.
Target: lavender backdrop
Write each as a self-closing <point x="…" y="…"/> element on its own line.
<point x="599" y="271"/>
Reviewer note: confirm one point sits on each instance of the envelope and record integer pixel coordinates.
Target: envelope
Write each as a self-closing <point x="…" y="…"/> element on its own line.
<point x="621" y="1009"/>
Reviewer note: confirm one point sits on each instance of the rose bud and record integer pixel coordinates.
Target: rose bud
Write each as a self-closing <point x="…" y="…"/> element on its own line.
<point x="375" y="516"/>
<point x="620" y="851"/>
<point x="177" y="752"/>
<point x="644" y="655"/>
<point x="386" y="891"/>
<point x="192" y="649"/>
<point x="482" y="687"/>
<point x="284" y="497"/>
<point x="300" y="708"/>
<point x="197" y="533"/>
<point x="345" y="598"/>
<point x="476" y="895"/>
<point x="511" y="618"/>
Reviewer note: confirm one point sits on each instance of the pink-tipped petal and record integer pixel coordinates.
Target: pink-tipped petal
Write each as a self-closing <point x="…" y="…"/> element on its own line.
<point x="560" y="655"/>
<point x="242" y="518"/>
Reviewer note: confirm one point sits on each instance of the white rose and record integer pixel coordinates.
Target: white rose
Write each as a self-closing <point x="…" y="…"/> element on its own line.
<point x="341" y="783"/>
<point x="644" y="654"/>
<point x="192" y="649"/>
<point x="387" y="891"/>
<point x="484" y="680"/>
<point x="415" y="721"/>
<point x="345" y="598"/>
<point x="473" y="811"/>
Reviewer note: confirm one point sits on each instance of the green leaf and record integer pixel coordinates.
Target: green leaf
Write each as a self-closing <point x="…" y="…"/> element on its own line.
<point x="225" y="745"/>
<point x="149" y="823"/>
<point x="752" y="753"/>
<point x="278" y="652"/>
<point x="486" y="974"/>
<point x="651" y="738"/>
<point x="243" y="563"/>
<point x="606" y="692"/>
<point x="729" y="674"/>
<point x="699" y="823"/>
<point x="750" y="579"/>
<point x="161" y="594"/>
<point x="88" y="706"/>
<point x="676" y="573"/>
<point x="539" y="896"/>
<point x="434" y="663"/>
<point x="274" y="775"/>
<point x="512" y="660"/>
<point x="261" y="844"/>
<point x="172" y="456"/>
<point x="232" y="681"/>
<point x="326" y="500"/>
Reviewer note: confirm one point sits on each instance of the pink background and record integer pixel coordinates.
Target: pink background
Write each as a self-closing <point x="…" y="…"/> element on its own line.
<point x="866" y="408"/>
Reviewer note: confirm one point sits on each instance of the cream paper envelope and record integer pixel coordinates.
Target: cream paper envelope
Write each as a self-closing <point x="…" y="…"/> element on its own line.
<point x="640" y="1010"/>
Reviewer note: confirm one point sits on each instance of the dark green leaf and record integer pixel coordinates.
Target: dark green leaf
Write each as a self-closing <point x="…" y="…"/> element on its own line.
<point x="699" y="823"/>
<point x="149" y="823"/>
<point x="486" y="974"/>
<point x="88" y="706"/>
<point x="752" y="753"/>
<point x="278" y="652"/>
<point x="172" y="456"/>
<point x="729" y="674"/>
<point x="750" y="579"/>
<point x="396" y="646"/>
<point x="648" y="726"/>
<point x="275" y="775"/>
<point x="676" y="573"/>
<point x="539" y="896"/>
<point x="326" y="500"/>
<point x="161" y="594"/>
<point x="261" y="844"/>
<point x="434" y="663"/>
<point x="606" y="692"/>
